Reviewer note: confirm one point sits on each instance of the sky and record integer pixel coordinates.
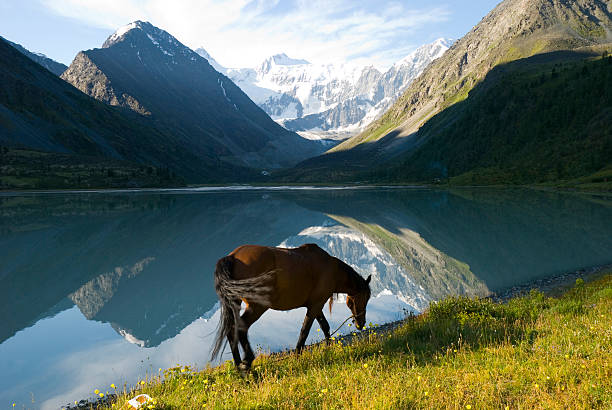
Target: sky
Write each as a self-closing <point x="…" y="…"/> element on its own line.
<point x="242" y="33"/>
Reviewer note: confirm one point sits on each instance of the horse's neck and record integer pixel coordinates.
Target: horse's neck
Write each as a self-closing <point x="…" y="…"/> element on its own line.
<point x="348" y="283"/>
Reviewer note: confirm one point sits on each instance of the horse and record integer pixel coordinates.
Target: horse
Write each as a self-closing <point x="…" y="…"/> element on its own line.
<point x="281" y="279"/>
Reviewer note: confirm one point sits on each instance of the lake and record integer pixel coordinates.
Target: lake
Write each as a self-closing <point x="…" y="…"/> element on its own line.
<point x="106" y="287"/>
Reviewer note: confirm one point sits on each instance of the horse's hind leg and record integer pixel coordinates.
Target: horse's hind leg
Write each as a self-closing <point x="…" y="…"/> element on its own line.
<point x="250" y="315"/>
<point x="231" y="338"/>
<point x="324" y="325"/>
<point x="233" y="341"/>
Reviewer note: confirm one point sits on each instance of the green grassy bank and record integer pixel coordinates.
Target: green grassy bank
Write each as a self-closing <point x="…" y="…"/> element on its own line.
<point x="531" y="352"/>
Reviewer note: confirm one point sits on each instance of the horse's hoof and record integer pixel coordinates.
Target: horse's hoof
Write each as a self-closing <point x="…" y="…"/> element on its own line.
<point x="244" y="368"/>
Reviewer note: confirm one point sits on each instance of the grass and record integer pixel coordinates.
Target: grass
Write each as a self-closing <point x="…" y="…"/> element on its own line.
<point x="531" y="352"/>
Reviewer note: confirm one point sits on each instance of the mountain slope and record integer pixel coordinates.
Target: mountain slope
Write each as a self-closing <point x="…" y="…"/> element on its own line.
<point x="515" y="29"/>
<point x="41" y="112"/>
<point x="328" y="100"/>
<point x="50" y="64"/>
<point x="148" y="71"/>
<point x="528" y="121"/>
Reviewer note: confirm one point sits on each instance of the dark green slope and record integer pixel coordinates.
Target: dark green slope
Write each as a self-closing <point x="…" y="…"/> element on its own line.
<point x="41" y="113"/>
<point x="545" y="118"/>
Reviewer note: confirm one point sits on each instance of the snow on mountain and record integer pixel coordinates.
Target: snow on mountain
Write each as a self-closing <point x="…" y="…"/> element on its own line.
<point x="327" y="101"/>
<point x="211" y="60"/>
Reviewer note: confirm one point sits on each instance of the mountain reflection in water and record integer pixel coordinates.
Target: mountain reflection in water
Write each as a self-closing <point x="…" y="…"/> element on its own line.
<point x="139" y="265"/>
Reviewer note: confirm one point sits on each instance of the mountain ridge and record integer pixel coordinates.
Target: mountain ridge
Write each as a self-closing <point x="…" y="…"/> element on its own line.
<point x="55" y="67"/>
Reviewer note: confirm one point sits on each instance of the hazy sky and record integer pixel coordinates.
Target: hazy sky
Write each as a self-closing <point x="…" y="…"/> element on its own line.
<point x="241" y="33"/>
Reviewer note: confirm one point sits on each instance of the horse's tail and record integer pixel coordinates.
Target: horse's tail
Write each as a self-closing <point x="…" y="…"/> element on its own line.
<point x="230" y="292"/>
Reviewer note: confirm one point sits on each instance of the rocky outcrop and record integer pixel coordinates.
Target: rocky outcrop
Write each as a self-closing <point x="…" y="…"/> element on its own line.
<point x="87" y="77"/>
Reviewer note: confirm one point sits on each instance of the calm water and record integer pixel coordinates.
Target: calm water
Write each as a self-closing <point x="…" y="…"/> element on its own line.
<point x="100" y="288"/>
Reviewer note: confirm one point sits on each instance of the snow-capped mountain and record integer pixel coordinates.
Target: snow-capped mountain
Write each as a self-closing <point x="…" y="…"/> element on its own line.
<point x="327" y="100"/>
<point x="146" y="69"/>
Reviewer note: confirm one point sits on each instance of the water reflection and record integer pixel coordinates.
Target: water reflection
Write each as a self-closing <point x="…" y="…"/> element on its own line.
<point x="99" y="288"/>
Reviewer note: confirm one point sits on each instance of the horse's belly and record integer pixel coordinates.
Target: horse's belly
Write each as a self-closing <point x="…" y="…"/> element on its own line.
<point x="286" y="305"/>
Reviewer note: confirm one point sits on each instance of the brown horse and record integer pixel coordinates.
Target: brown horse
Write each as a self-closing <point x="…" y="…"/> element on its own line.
<point x="281" y="279"/>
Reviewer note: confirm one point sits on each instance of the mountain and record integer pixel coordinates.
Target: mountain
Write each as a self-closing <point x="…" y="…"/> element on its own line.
<point x="147" y="70"/>
<point x="50" y="64"/>
<point x="52" y="135"/>
<point x="512" y="33"/>
<point x="333" y="101"/>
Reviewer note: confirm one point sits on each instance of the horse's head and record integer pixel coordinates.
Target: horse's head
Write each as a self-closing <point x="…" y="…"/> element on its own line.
<point x="357" y="304"/>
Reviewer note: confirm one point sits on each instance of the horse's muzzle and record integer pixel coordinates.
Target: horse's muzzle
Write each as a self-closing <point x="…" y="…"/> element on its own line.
<point x="358" y="325"/>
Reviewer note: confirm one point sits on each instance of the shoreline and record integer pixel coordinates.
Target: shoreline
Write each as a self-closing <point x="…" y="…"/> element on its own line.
<point x="552" y="285"/>
<point x="302" y="186"/>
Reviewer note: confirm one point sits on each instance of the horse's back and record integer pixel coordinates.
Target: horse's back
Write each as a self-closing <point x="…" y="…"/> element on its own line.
<point x="264" y="258"/>
<point x="299" y="271"/>
<point x="252" y="260"/>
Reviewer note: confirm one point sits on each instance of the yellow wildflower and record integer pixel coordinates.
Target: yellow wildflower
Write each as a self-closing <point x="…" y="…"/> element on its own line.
<point x="113" y="386"/>
<point x="323" y="390"/>
<point x="469" y="406"/>
<point x="365" y="365"/>
<point x="101" y="394"/>
<point x="96" y="391"/>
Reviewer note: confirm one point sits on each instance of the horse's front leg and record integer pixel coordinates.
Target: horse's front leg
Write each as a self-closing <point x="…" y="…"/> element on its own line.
<point x="250" y="315"/>
<point x="310" y="317"/>
<point x="324" y="325"/>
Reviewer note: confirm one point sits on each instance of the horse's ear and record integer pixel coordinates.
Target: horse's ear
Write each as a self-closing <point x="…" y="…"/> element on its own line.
<point x="368" y="279"/>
